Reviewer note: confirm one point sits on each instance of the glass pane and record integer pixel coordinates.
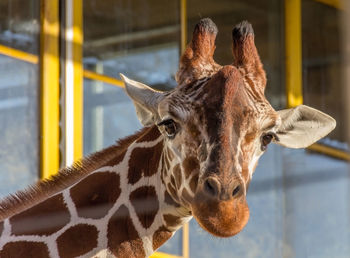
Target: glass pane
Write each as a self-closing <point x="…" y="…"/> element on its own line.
<point x="323" y="59"/>
<point x="19" y="24"/>
<point x="19" y="95"/>
<point x="133" y="37"/>
<point x="108" y="115"/>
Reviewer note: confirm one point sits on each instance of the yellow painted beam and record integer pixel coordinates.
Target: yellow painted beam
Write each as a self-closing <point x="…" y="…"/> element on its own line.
<point x="18" y="54"/>
<point x="293" y="47"/>
<point x="329" y="151"/>
<point x="338" y="4"/>
<point x="49" y="80"/>
<point x="163" y="255"/>
<point x="78" y="77"/>
<point x="186" y="241"/>
<point x="103" y="78"/>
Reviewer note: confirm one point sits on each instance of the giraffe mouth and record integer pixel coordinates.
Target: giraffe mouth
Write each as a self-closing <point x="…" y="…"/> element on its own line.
<point x="221" y="218"/>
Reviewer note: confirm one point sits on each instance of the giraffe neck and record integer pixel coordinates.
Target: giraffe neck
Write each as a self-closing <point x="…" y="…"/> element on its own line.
<point x="120" y="208"/>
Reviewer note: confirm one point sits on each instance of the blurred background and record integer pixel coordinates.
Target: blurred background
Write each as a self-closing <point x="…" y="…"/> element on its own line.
<point x="61" y="98"/>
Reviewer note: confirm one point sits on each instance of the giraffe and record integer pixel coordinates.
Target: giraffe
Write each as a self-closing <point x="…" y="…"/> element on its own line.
<point x="195" y="157"/>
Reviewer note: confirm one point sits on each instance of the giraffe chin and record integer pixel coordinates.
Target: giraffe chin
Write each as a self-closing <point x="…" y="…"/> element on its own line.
<point x="221" y="218"/>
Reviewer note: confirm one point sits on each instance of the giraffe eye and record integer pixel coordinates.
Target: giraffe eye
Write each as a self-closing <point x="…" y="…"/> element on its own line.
<point x="170" y="127"/>
<point x="266" y="140"/>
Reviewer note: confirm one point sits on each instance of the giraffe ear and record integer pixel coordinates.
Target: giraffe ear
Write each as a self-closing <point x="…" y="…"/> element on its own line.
<point x="145" y="99"/>
<point x="302" y="126"/>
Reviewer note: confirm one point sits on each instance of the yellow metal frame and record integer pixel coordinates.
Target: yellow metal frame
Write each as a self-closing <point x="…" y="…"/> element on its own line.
<point x="102" y="78"/>
<point x="49" y="82"/>
<point x="329" y="151"/>
<point x="18" y="54"/>
<point x="164" y="255"/>
<point x="78" y="77"/>
<point x="186" y="240"/>
<point x="294" y="87"/>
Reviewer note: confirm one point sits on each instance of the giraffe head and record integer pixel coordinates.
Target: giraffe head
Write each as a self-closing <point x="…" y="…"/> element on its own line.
<point x="217" y="123"/>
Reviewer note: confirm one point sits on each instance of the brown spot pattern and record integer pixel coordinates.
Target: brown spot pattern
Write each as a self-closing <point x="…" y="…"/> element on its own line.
<point x="178" y="175"/>
<point x="167" y="164"/>
<point x="25" y="249"/>
<point x="193" y="129"/>
<point x="171" y="220"/>
<point x="151" y="135"/>
<point x="194" y="183"/>
<point x="96" y="194"/>
<point x="119" y="158"/>
<point x="144" y="162"/>
<point x="170" y="154"/>
<point x="160" y="236"/>
<point x="169" y="200"/>
<point x="172" y="191"/>
<point x="1" y="227"/>
<point x="146" y="204"/>
<point x="190" y="164"/>
<point x="186" y="196"/>
<point x="172" y="181"/>
<point x="77" y="240"/>
<point x="45" y="218"/>
<point x="123" y="239"/>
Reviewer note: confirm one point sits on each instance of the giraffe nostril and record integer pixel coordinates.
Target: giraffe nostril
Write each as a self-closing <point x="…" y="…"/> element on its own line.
<point x="236" y="190"/>
<point x="211" y="187"/>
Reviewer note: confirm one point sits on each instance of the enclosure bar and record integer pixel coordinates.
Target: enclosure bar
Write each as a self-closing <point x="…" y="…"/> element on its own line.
<point x="49" y="84"/>
<point x="186" y="241"/>
<point x="78" y="78"/>
<point x="293" y="53"/>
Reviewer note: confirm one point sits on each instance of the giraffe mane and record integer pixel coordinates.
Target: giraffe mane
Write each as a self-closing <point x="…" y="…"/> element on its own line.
<point x="34" y="194"/>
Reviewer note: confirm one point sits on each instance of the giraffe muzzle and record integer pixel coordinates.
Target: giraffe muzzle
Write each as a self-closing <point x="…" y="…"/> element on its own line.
<point x="221" y="209"/>
<point x="216" y="190"/>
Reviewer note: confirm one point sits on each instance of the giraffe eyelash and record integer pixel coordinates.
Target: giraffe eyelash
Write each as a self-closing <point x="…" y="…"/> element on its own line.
<point x="267" y="138"/>
<point x="166" y="122"/>
<point x="170" y="127"/>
